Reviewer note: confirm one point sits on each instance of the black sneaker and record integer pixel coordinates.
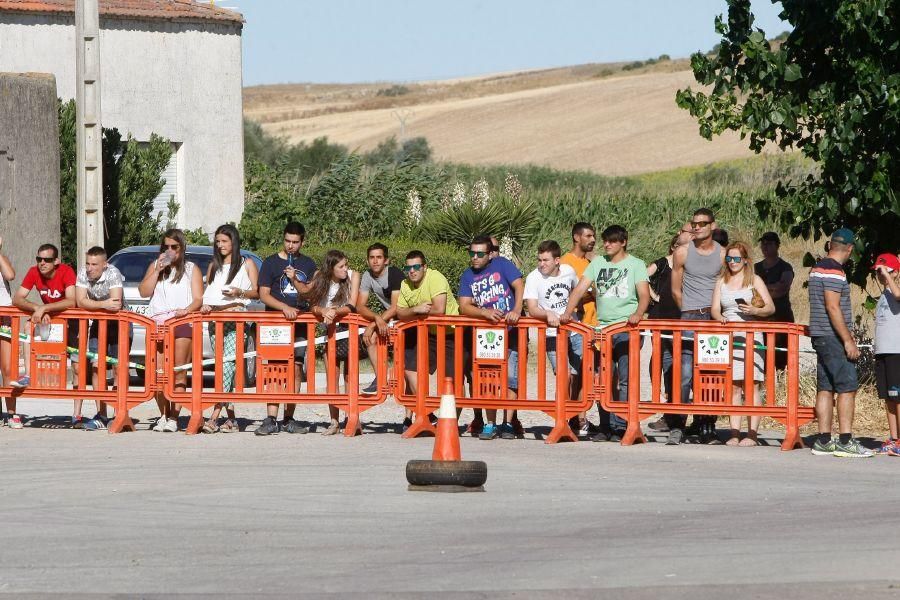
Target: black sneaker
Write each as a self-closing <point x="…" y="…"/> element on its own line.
<point x="676" y="436"/>
<point x="616" y="436"/>
<point x="602" y="436"/>
<point x="269" y="426"/>
<point x="407" y="423"/>
<point x="372" y="388"/>
<point x="292" y="426"/>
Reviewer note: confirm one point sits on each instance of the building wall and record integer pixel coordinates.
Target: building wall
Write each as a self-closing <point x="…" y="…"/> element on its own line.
<point x="179" y="79"/>
<point x="29" y="168"/>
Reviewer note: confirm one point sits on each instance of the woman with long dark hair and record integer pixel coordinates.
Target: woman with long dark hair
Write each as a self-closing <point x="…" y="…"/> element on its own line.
<point x="333" y="289"/>
<point x="175" y="288"/>
<point x="230" y="285"/>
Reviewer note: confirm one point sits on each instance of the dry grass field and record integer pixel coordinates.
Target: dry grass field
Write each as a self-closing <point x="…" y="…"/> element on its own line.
<point x="593" y="117"/>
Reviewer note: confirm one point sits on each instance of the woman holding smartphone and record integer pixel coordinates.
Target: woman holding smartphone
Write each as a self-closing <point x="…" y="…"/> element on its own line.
<point x="175" y="288"/>
<point x="230" y="285"/>
<point x="734" y="300"/>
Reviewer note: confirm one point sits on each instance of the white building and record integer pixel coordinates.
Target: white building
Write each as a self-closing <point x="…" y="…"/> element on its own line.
<point x="170" y="67"/>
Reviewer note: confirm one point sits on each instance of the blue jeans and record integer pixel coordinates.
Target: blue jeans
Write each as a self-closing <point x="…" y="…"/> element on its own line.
<point x="620" y="370"/>
<point x="687" y="363"/>
<point x="576" y="351"/>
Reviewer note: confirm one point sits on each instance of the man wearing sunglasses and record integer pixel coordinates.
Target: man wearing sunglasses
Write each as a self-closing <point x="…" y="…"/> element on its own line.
<point x="55" y="284"/>
<point x="424" y="292"/>
<point x="695" y="268"/>
<point x="492" y="289"/>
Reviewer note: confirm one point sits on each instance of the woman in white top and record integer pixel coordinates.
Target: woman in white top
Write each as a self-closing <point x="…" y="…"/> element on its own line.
<point x="733" y="301"/>
<point x="175" y="288"/>
<point x="330" y="297"/>
<point x="7" y="274"/>
<point x="230" y="285"/>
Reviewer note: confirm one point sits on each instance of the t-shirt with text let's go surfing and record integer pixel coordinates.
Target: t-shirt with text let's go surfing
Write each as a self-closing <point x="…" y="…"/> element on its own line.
<point x="615" y="287"/>
<point x="491" y="287"/>
<point x="51" y="290"/>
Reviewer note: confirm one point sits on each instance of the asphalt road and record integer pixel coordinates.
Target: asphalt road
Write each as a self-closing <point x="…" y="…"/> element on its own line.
<point x="235" y="514"/>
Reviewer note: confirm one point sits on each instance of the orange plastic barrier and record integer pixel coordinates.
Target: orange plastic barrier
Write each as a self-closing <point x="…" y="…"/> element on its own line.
<point x="50" y="347"/>
<point x="275" y="340"/>
<point x="712" y="373"/>
<point x="480" y="355"/>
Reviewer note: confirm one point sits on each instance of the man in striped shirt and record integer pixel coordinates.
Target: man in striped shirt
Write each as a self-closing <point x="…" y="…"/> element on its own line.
<point x="830" y="321"/>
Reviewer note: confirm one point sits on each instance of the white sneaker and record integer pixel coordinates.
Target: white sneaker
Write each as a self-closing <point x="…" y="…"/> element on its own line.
<point x="15" y="422"/>
<point x="171" y="426"/>
<point x="160" y="424"/>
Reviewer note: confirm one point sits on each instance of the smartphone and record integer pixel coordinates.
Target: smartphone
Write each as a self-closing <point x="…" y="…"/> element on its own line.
<point x="740" y="301"/>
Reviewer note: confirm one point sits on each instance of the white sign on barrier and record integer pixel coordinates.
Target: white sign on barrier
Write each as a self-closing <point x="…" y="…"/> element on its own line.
<point x="713" y="348"/>
<point x="490" y="344"/>
<point x="275" y="335"/>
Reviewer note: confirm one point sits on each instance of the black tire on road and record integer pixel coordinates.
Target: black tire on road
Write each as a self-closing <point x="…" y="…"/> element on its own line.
<point x="466" y="473"/>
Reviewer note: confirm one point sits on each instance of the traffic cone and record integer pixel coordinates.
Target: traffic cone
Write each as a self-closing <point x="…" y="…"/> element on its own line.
<point x="446" y="439"/>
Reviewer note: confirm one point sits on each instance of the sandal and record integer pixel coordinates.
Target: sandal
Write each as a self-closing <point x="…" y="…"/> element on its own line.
<point x="733" y="441"/>
<point x="749" y="442"/>
<point x="332" y="429"/>
<point x="210" y="427"/>
<point x="229" y="426"/>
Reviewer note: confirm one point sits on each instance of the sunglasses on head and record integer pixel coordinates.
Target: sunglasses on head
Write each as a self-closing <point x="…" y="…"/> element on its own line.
<point x="172" y="246"/>
<point x="44" y="259"/>
<point x="477" y="253"/>
<point x="408" y="268"/>
<point x="733" y="259"/>
<point x="699" y="224"/>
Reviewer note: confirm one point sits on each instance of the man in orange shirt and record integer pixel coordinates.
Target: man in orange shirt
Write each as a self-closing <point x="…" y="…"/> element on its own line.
<point x="584" y="239"/>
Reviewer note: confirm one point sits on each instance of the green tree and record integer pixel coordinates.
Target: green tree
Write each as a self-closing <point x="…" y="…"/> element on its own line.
<point x="830" y="89"/>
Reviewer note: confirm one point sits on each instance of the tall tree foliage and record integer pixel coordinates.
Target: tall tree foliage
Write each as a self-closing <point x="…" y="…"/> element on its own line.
<point x="832" y="90"/>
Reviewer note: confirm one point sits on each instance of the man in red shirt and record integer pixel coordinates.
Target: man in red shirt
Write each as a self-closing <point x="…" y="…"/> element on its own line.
<point x="55" y="282"/>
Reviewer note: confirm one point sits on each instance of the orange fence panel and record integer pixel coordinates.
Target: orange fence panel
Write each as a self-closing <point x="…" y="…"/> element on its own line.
<point x="714" y="347"/>
<point x="265" y="372"/>
<point x="477" y="351"/>
<point x="49" y="349"/>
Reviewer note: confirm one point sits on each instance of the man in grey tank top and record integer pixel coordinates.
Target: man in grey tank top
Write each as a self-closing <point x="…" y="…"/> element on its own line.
<point x="695" y="268"/>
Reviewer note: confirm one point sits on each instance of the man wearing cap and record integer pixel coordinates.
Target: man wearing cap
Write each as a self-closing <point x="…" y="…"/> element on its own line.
<point x="830" y="320"/>
<point x="778" y="274"/>
<point x="887" y="346"/>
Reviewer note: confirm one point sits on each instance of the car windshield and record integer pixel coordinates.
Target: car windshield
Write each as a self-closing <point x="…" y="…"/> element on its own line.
<point x="133" y="265"/>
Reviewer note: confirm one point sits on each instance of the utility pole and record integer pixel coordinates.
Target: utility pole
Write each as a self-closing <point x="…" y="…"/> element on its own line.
<point x="89" y="131"/>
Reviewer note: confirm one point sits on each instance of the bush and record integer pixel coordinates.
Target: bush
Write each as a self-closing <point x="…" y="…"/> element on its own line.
<point x="389" y="151"/>
<point x="633" y="65"/>
<point x="394" y="90"/>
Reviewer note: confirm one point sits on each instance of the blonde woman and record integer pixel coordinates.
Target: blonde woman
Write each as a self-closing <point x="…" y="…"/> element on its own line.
<point x="175" y="288"/>
<point x="330" y="297"/>
<point x="733" y="301"/>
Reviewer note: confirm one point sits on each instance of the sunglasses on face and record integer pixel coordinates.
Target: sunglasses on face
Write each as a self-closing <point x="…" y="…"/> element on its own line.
<point x="416" y="268"/>
<point x="733" y="259"/>
<point x="699" y="224"/>
<point x="477" y="254"/>
<point x="43" y="259"/>
<point x="172" y="246"/>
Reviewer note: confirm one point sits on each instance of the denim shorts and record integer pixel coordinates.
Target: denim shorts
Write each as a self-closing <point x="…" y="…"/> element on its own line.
<point x="834" y="371"/>
<point x="576" y="351"/>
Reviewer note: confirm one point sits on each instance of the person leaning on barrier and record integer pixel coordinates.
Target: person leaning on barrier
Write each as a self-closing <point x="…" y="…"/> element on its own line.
<point x="622" y="292"/>
<point x="99" y="286"/>
<point x="175" y="288"/>
<point x="695" y="269"/>
<point x="830" y="324"/>
<point x="331" y="296"/>
<point x="55" y="283"/>
<point x="231" y="283"/>
<point x="424" y="292"/>
<point x="663" y="307"/>
<point x="491" y="289"/>
<point x="887" y="346"/>
<point x="734" y="299"/>
<point x="546" y="295"/>
<point x="382" y="279"/>
<point x="283" y="278"/>
<point x="778" y="275"/>
<point x="7" y="274"/>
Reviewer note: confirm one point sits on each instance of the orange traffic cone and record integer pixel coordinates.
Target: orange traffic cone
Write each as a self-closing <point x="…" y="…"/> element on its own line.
<point x="446" y="439"/>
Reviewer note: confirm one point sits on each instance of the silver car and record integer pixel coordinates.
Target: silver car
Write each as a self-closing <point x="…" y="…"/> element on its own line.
<point x="132" y="262"/>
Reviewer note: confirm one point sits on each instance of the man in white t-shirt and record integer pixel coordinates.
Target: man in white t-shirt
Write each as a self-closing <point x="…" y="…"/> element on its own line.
<point x="547" y="290"/>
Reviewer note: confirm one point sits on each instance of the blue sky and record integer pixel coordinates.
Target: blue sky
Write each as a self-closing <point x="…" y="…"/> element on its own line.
<point x="344" y="41"/>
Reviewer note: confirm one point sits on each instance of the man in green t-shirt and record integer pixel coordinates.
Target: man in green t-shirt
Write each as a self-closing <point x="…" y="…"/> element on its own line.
<point x="424" y="292"/>
<point x="622" y="292"/>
